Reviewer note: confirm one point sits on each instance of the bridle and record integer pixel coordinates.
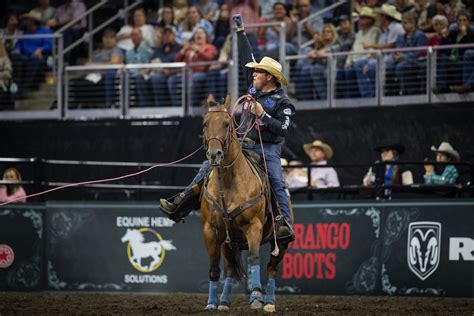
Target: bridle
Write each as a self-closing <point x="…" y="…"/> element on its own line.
<point x="224" y="143"/>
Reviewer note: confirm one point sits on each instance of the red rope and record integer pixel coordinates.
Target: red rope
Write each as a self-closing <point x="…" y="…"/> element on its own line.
<point x="102" y="180"/>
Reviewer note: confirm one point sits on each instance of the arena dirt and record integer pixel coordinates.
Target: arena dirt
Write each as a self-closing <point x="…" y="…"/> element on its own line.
<point x="69" y="303"/>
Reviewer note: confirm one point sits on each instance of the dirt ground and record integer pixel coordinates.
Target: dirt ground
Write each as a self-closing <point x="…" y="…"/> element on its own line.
<point x="67" y="303"/>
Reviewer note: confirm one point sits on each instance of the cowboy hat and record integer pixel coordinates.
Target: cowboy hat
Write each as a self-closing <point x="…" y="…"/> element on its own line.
<point x="390" y="145"/>
<point x="271" y="66"/>
<point x="389" y="10"/>
<point x="367" y="12"/>
<point x="295" y="163"/>
<point x="36" y="16"/>
<point x="319" y="144"/>
<point x="446" y="148"/>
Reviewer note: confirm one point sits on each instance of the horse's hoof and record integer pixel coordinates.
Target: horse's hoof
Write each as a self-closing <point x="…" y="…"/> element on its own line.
<point x="224" y="308"/>
<point x="256" y="305"/>
<point x="210" y="307"/>
<point x="269" y="308"/>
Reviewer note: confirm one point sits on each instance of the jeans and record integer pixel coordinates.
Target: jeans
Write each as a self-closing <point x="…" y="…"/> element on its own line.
<point x="28" y="71"/>
<point x="347" y="83"/>
<point x="468" y="69"/>
<point x="161" y="94"/>
<point x="319" y="79"/>
<point x="275" y="175"/>
<point x="143" y="91"/>
<point x="366" y="82"/>
<point x="110" y="80"/>
<point x="198" y="93"/>
<point x="303" y="84"/>
<point x="408" y="73"/>
<point x="217" y="83"/>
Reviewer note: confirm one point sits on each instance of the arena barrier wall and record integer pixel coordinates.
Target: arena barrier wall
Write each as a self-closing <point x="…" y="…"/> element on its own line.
<point x="369" y="248"/>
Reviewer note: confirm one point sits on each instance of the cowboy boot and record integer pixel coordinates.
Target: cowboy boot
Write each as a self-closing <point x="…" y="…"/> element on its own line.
<point x="285" y="231"/>
<point x="179" y="206"/>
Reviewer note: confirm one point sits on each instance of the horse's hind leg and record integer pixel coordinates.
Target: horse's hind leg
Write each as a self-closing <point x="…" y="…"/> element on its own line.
<point x="272" y="269"/>
<point x="254" y="237"/>
<point x="214" y="253"/>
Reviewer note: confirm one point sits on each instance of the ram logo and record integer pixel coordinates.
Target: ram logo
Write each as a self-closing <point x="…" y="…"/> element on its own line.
<point x="424" y="241"/>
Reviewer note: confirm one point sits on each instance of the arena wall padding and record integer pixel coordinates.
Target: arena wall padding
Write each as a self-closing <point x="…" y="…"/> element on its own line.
<point x="365" y="248"/>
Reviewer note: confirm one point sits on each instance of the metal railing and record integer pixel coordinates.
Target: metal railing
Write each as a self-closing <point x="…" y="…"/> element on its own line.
<point x="386" y="83"/>
<point x="140" y="90"/>
<point x="420" y="85"/>
<point x="41" y="174"/>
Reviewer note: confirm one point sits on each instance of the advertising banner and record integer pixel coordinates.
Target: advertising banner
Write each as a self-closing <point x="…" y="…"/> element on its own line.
<point x="428" y="249"/>
<point x="335" y="251"/>
<point x="128" y="247"/>
<point x="375" y="248"/>
<point x="21" y="248"/>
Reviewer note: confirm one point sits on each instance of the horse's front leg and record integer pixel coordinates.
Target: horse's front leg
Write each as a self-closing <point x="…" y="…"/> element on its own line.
<point x="254" y="237"/>
<point x="214" y="253"/>
<point x="272" y="269"/>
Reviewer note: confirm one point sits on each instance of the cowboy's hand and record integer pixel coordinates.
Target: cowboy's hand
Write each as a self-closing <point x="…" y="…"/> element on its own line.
<point x="365" y="70"/>
<point x="37" y="53"/>
<point x="428" y="168"/>
<point x="238" y="22"/>
<point x="257" y="109"/>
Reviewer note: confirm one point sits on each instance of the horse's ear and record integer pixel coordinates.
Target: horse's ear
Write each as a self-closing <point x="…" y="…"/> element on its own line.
<point x="227" y="102"/>
<point x="210" y="99"/>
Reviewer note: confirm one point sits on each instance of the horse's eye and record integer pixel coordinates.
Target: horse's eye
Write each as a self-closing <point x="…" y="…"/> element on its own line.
<point x="226" y="125"/>
<point x="204" y="125"/>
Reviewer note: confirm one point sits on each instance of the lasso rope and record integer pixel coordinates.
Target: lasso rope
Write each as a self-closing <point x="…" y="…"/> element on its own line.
<point x="103" y="180"/>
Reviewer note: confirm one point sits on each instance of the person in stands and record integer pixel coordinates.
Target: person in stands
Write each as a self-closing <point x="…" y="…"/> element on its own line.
<point x="12" y="191"/>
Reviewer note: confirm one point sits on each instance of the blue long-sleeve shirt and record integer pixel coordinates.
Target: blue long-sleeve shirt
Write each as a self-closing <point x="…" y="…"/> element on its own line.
<point x="418" y="39"/>
<point x="27" y="46"/>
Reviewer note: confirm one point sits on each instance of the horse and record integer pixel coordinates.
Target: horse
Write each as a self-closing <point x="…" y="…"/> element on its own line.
<point x="233" y="208"/>
<point x="141" y="249"/>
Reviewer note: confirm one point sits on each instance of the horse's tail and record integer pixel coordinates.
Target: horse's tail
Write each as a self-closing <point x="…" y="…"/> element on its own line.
<point x="235" y="260"/>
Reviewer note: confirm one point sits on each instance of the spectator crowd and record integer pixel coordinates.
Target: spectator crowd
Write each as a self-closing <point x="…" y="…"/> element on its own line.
<point x="197" y="32"/>
<point x="389" y="169"/>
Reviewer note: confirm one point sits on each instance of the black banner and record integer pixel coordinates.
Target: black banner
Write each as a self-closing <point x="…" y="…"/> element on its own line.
<point x="428" y="249"/>
<point x="334" y="250"/>
<point x="21" y="247"/>
<point x="389" y="248"/>
<point x="128" y="247"/>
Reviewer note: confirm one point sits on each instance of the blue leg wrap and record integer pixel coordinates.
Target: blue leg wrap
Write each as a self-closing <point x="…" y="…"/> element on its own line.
<point x="270" y="292"/>
<point x="212" y="292"/>
<point x="226" y="291"/>
<point x="255" y="277"/>
<point x="255" y="284"/>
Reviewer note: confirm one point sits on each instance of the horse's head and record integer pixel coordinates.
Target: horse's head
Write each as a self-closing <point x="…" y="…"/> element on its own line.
<point x="218" y="130"/>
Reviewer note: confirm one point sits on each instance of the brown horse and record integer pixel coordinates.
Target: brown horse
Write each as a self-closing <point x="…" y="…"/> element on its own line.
<point x="233" y="213"/>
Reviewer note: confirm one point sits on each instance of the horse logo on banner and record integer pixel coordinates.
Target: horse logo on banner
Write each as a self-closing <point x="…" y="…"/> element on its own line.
<point x="138" y="249"/>
<point x="424" y="242"/>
